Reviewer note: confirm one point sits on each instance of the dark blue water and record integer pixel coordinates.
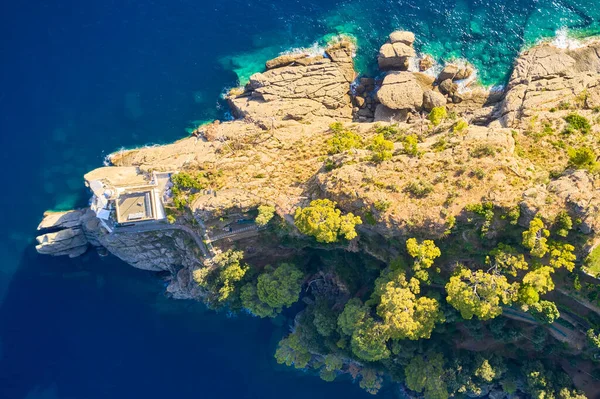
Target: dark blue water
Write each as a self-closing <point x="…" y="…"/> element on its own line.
<point x="81" y="79"/>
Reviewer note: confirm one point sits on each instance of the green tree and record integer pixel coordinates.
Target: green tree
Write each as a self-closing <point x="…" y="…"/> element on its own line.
<point x="424" y="255"/>
<point x="426" y="375"/>
<point x="477" y="293"/>
<point x="274" y="290"/>
<point x="290" y="351"/>
<point x="563" y="224"/>
<point x="322" y="220"/>
<point x="535" y="238"/>
<point x="370" y="381"/>
<point x="281" y="287"/>
<point x="406" y="315"/>
<point x="437" y="115"/>
<point x="507" y="260"/>
<point x="222" y="280"/>
<point x="382" y="149"/>
<point x="265" y="214"/>
<point x="352" y="316"/>
<point x="490" y="369"/>
<point x="545" y="311"/>
<point x="409" y="143"/>
<point x="369" y="341"/>
<point x="593" y="338"/>
<point x="540" y="279"/>
<point x="561" y="255"/>
<point x="324" y="318"/>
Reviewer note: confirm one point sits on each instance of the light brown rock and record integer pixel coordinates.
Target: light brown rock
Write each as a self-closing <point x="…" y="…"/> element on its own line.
<point x="432" y="99"/>
<point x="401" y="36"/>
<point x="400" y="90"/>
<point x="394" y="56"/>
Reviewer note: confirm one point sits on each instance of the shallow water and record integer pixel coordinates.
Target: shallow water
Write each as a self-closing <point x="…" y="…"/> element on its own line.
<point x="82" y="79"/>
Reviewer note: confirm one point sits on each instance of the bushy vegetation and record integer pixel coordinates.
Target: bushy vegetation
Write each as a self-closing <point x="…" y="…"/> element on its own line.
<point x="343" y="139"/>
<point x="583" y="158"/>
<point x="577" y="124"/>
<point x="323" y="221"/>
<point x="382" y="149"/>
<point x="437" y="115"/>
<point x="265" y="214"/>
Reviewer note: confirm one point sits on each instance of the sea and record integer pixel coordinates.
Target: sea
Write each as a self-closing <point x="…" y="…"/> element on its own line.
<point x="82" y="79"/>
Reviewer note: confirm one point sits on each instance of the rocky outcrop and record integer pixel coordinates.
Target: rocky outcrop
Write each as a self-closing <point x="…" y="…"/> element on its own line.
<point x="63" y="233"/>
<point x="396" y="52"/>
<point x="547" y="78"/>
<point x="401" y="90"/>
<point x="455" y="72"/>
<point x="300" y="87"/>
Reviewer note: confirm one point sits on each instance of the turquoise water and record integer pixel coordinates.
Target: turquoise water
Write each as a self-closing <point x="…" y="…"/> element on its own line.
<point x="82" y="79"/>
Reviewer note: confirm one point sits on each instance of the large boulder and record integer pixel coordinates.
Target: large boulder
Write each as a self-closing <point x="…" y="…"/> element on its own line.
<point x="448" y="87"/>
<point x="396" y="52"/>
<point x="63" y="234"/>
<point x="385" y="114"/>
<point x="402" y="36"/>
<point x="432" y="99"/>
<point x="401" y="90"/>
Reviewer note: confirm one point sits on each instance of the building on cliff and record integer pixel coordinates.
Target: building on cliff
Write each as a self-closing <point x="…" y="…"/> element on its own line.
<point x="122" y="196"/>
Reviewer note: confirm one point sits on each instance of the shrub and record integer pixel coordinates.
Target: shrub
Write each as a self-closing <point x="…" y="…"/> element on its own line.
<point x="460" y="126"/>
<point x="382" y="206"/>
<point x="410" y="144"/>
<point x="437" y="115"/>
<point x="390" y="132"/>
<point x="382" y="149"/>
<point x="582" y="158"/>
<point x="483" y="150"/>
<point x="343" y="141"/>
<point x="265" y="214"/>
<point x="577" y="123"/>
<point x="419" y="188"/>
<point x="563" y="224"/>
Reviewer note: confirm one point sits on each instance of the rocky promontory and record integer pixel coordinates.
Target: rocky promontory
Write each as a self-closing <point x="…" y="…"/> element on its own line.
<point x="410" y="152"/>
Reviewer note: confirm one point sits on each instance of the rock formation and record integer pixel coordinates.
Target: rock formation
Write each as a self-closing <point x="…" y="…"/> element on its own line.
<point x="395" y="54"/>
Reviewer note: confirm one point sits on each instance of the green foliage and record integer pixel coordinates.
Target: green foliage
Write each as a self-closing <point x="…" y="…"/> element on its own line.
<point x="542" y="383"/>
<point x="382" y="206"/>
<point x="371" y="381"/>
<point x="489" y="370"/>
<point x="171" y="219"/>
<point x="324" y="318"/>
<point x="273" y="291"/>
<point x="593" y="339"/>
<point x="381" y="148"/>
<point x="281" y="287"/>
<point x="390" y="132"/>
<point x="369" y="341"/>
<point x="437" y="115"/>
<point x="563" y="224"/>
<point x="223" y="279"/>
<point x="545" y="311"/>
<point x="409" y="143"/>
<point x="185" y="184"/>
<point x="405" y="315"/>
<point x="343" y="140"/>
<point x="424" y="255"/>
<point x="583" y="158"/>
<point x="483" y="150"/>
<point x="352" y="316"/>
<point x="535" y="238"/>
<point x="419" y="188"/>
<point x="426" y="375"/>
<point x="508" y="260"/>
<point x="290" y="351"/>
<point x="265" y="214"/>
<point x="592" y="262"/>
<point x="477" y="293"/>
<point x="577" y="123"/>
<point x="561" y="255"/>
<point x="322" y="220"/>
<point x="460" y="126"/>
<point x="333" y="363"/>
<point x="540" y="279"/>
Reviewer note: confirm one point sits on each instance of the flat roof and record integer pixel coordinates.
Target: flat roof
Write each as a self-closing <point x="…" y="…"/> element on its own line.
<point x="135" y="206"/>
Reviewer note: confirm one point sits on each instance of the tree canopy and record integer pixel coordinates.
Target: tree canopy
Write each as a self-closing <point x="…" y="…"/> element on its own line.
<point x="477" y="293"/>
<point x="426" y="375"/>
<point x="265" y="214"/>
<point x="406" y="315"/>
<point x="535" y="238"/>
<point x="322" y="220"/>
<point x="369" y="341"/>
<point x="424" y="253"/>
